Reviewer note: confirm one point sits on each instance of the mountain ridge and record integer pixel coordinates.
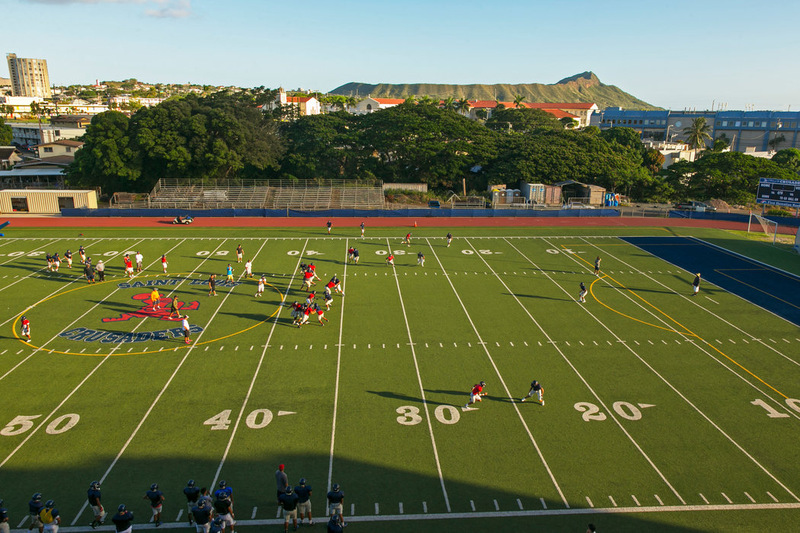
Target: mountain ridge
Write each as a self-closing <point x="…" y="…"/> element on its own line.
<point x="583" y="87"/>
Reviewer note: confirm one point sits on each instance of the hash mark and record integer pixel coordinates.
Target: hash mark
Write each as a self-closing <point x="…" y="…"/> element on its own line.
<point x="544" y="505"/>
<point x="401" y="507"/>
<point x="377" y="510"/>
<point x="472" y="504"/>
<point x="612" y="501"/>
<point x="704" y="498"/>
<point x="496" y="506"/>
<point x="749" y="497"/>
<point x="636" y="501"/>
<point x="252" y="516"/>
<point x="726" y="497"/>
<point x="589" y="502"/>
<point x="424" y="507"/>
<point x="658" y="500"/>
<point x="771" y="496"/>
<point x="520" y="504"/>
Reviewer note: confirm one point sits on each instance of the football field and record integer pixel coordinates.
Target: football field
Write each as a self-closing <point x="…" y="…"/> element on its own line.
<point x="662" y="411"/>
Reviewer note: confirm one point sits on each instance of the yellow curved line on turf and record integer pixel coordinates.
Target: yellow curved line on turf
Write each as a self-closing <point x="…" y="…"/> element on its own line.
<point x="688" y="332"/>
<point x="182" y="347"/>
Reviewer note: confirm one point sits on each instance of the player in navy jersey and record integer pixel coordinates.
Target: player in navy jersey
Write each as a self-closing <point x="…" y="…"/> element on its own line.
<point x="201" y="512"/>
<point x="50" y="517"/>
<point x="34" y="507"/>
<point x="156" y="498"/>
<point x="224" y="491"/>
<point x="336" y="503"/>
<point x="4" y="527"/>
<point x="289" y="501"/>
<point x="122" y="520"/>
<point x="191" y="491"/>
<point x="303" y="491"/>
<point x="582" y="294"/>
<point x="223" y="508"/>
<point x="93" y="495"/>
<point x="536" y="388"/>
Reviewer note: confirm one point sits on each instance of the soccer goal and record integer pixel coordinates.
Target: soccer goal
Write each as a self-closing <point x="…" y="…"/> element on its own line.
<point x="769" y="227"/>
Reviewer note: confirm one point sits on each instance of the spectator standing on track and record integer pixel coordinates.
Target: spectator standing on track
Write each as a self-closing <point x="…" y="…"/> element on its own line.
<point x="597" y="266"/>
<point x="139" y="261"/>
<point x="289" y="501"/>
<point x="303" y="492"/>
<point x="156" y="498"/>
<point x="4" y="527"/>
<point x="191" y="491"/>
<point x="122" y="520"/>
<point x="696" y="284"/>
<point x="95" y="502"/>
<point x="239" y="253"/>
<point x="582" y="293"/>
<point x="50" y="517"/>
<point x="329" y="227"/>
<point x="281" y="481"/>
<point x="212" y="285"/>
<point x="201" y="513"/>
<point x="536" y="388"/>
<point x="101" y="270"/>
<point x="34" y="507"/>
<point x="336" y="504"/>
<point x="26" y="327"/>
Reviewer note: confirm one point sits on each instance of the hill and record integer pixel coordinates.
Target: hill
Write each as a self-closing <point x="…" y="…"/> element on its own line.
<point x="584" y="87"/>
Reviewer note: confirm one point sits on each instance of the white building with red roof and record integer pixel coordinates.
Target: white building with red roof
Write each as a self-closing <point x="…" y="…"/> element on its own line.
<point x="368" y="105"/>
<point x="305" y="105"/>
<point x="581" y="112"/>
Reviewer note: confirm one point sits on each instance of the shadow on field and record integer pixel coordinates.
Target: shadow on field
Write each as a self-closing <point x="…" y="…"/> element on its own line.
<point x="367" y="487"/>
<point x="537" y="297"/>
<point x="413" y="399"/>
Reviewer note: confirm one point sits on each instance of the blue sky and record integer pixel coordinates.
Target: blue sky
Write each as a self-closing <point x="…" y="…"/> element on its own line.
<point x="675" y="54"/>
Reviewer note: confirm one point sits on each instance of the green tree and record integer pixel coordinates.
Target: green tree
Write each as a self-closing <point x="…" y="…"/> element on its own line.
<point x="653" y="160"/>
<point x="449" y="104"/>
<point x="482" y="113"/>
<point x="775" y="141"/>
<point x="788" y="158"/>
<point x="518" y="99"/>
<point x="697" y="134"/>
<point x="5" y="133"/>
<point x="106" y="157"/>
<point x="463" y="106"/>
<point x="523" y="120"/>
<point x="320" y="147"/>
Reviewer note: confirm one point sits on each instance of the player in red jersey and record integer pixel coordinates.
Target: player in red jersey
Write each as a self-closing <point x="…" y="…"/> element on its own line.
<point x="476" y="393"/>
<point x="407" y="240"/>
<point x="128" y="265"/>
<point x="320" y="314"/>
<point x="26" y="327"/>
<point x="308" y="280"/>
<point x="164" y="262"/>
<point x="390" y="260"/>
<point x="350" y="254"/>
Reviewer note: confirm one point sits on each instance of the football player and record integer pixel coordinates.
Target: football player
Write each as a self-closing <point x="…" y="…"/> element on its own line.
<point x="476" y="393"/>
<point x="26" y="327"/>
<point x="93" y="495"/>
<point x="156" y="498"/>
<point x="536" y="388"/>
<point x="192" y="493"/>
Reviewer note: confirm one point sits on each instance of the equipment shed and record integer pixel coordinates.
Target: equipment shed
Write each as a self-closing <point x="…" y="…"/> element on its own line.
<point x="45" y="201"/>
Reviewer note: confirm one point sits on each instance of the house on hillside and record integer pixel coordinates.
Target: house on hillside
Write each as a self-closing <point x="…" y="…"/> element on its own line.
<point x="9" y="156"/>
<point x="63" y="148"/>
<point x="559" y="111"/>
<point x="369" y="105"/>
<point x="303" y="105"/>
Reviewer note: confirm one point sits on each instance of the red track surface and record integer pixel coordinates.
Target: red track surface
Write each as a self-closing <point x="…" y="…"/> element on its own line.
<point x="437" y="222"/>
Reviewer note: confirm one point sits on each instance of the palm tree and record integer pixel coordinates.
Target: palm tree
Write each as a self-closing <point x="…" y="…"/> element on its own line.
<point x="410" y="100"/>
<point x="481" y="113"/>
<point x="464" y="106"/>
<point x="518" y="98"/>
<point x="426" y="100"/>
<point x="449" y="104"/>
<point x="697" y="133"/>
<point x="775" y="141"/>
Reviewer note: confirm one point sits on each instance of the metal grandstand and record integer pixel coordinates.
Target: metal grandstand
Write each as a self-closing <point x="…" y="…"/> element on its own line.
<point x="171" y="193"/>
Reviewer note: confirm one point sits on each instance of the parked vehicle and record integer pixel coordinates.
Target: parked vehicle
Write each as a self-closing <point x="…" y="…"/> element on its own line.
<point x="694" y="206"/>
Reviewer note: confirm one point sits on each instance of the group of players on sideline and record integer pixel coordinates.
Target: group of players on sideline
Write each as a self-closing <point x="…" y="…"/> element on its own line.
<point x="208" y="514"/>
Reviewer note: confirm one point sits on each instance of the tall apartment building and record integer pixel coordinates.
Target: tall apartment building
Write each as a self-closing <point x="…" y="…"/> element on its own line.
<point x="29" y="77"/>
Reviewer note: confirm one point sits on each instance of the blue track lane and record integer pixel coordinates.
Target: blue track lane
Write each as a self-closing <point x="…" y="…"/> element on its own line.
<point x="774" y="290"/>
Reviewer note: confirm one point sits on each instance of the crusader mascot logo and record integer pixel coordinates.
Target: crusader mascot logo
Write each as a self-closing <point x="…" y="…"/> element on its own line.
<point x="160" y="312"/>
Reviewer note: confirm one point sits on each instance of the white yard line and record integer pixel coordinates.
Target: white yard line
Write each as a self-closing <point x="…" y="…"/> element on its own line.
<point x="497" y="371"/>
<point x="666" y="382"/>
<point x="257" y="370"/>
<point x="338" y="371"/>
<point x="696" y="340"/>
<point x="419" y="381"/>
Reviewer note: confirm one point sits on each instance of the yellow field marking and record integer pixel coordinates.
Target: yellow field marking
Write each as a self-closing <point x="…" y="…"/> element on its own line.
<point x="687" y="332"/>
<point x="171" y="348"/>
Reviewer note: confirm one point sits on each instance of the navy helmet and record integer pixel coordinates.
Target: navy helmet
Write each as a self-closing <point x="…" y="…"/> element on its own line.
<point x="95" y="485"/>
<point x="37" y="496"/>
<point x="222" y="484"/>
<point x="483" y="383"/>
<point x="122" y="508"/>
<point x="190" y="483"/>
<point x="302" y="481"/>
<point x="335" y="487"/>
<point x="49" y="504"/>
<point x="154" y="486"/>
<point x="289" y="490"/>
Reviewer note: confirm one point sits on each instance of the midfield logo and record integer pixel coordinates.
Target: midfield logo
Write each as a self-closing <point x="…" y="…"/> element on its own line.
<point x="146" y="311"/>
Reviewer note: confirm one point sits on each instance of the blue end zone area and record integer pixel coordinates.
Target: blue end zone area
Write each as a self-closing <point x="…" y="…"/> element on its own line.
<point x="765" y="286"/>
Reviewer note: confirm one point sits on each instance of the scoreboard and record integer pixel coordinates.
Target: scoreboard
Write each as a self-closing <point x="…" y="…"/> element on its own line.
<point x="778" y="192"/>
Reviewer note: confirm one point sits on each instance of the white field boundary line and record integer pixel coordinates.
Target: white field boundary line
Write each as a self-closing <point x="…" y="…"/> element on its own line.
<point x="74" y="390"/>
<point x="62" y="287"/>
<point x="166" y="385"/>
<point x="752" y="337"/>
<point x="419" y="382"/>
<point x="698" y="341"/>
<point x="338" y="373"/>
<point x="42" y="347"/>
<point x="666" y="382"/>
<point x="497" y="371"/>
<point x="257" y="370"/>
<point x="609" y="412"/>
<point x="481" y="514"/>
